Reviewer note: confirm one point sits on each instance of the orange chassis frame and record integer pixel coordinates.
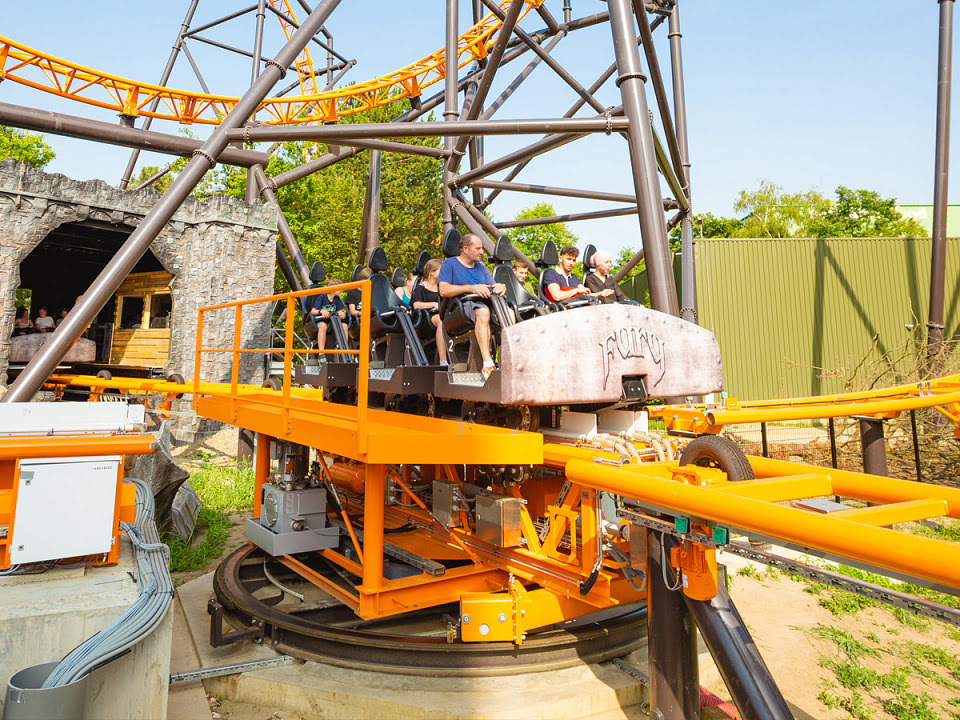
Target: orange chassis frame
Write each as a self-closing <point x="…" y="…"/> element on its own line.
<point x="508" y="591"/>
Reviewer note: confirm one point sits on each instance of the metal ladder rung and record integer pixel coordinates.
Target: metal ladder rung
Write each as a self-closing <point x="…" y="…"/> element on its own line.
<point x="894" y="513"/>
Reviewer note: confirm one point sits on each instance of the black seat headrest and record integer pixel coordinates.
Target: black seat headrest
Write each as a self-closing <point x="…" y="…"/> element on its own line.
<point x="422" y="259"/>
<point x="398" y="278"/>
<point x="378" y="260"/>
<point x="318" y="273"/>
<point x="588" y="254"/>
<point x="356" y="273"/>
<point x="548" y="255"/>
<point x="503" y="250"/>
<point x="451" y="243"/>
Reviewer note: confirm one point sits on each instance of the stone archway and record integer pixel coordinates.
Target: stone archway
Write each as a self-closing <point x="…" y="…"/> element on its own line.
<point x="218" y="249"/>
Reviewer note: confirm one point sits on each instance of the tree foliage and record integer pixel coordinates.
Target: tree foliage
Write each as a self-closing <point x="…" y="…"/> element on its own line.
<point x="530" y="239"/>
<point x="768" y="211"/>
<point x="25" y="146"/>
<point x="863" y="213"/>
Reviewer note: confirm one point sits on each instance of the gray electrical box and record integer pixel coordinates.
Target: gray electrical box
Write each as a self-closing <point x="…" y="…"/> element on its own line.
<point x="498" y="519"/>
<point x="445" y="502"/>
<point x="292" y="521"/>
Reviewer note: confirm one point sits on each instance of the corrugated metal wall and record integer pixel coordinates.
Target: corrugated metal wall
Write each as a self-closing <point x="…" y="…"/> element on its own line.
<point x="795" y="316"/>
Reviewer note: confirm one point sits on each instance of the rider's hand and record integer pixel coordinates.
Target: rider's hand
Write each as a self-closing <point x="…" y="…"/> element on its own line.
<point x="499" y="289"/>
<point x="314" y="311"/>
<point x="482" y="290"/>
<point x="606" y="293"/>
<point x="324" y="314"/>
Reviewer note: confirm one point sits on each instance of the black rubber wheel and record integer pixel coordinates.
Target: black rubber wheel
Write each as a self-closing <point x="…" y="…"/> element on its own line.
<point x="176" y="378"/>
<point x="105" y="375"/>
<point x="272" y="384"/>
<point x="718" y="452"/>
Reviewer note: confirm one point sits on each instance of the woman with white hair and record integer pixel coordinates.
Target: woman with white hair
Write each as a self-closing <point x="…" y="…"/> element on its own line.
<point x="601" y="283"/>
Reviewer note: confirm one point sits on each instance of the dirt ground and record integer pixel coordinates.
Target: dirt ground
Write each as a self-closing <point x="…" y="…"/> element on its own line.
<point x="783" y="618"/>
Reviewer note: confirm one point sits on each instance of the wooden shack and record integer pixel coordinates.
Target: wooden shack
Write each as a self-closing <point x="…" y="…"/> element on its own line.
<point x="141" y="324"/>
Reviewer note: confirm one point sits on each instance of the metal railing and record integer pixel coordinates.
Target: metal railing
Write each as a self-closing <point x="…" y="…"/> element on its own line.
<point x="288" y="350"/>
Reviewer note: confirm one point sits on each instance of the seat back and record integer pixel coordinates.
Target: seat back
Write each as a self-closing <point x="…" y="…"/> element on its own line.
<point x="398" y="278"/>
<point x="451" y="243"/>
<point x="503" y="251"/>
<point x="548" y="258"/>
<point x="516" y="293"/>
<point x="588" y="268"/>
<point x="318" y="273"/>
<point x="356" y="273"/>
<point x="382" y="296"/>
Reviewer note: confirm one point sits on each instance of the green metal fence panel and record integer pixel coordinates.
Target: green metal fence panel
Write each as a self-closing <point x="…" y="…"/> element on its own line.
<point x="799" y="316"/>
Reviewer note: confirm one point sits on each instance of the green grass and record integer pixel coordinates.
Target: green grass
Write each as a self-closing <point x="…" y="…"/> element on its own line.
<point x="845" y="642"/>
<point x="222" y="490"/>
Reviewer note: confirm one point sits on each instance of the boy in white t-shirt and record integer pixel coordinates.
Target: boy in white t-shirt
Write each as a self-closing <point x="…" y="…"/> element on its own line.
<point x="43" y="323"/>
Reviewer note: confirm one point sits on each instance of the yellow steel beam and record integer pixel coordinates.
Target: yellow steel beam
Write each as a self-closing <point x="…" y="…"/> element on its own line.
<point x="907" y="511"/>
<point x="912" y="555"/>
<point x="48" y="73"/>
<point x="888" y="402"/>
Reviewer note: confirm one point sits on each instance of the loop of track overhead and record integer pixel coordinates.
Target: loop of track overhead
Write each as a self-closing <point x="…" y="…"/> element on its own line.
<point x="332" y="634"/>
<point x="25" y="65"/>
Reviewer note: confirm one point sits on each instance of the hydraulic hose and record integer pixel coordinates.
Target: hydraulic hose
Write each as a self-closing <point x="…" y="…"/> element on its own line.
<point x="147" y="611"/>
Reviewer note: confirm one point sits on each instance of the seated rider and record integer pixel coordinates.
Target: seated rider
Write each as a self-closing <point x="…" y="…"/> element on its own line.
<point x="426" y="296"/>
<point x="601" y="282"/>
<point x="404" y="292"/>
<point x="44" y="323"/>
<point x="23" y="325"/>
<point x="353" y="296"/>
<point x="326" y="306"/>
<point x="560" y="283"/>
<point x="467" y="274"/>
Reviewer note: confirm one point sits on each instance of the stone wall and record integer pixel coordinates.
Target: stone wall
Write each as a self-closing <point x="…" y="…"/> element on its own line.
<point x="218" y="249"/>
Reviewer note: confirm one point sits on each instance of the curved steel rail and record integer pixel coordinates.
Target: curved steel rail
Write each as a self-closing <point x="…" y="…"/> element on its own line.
<point x="320" y="635"/>
<point x="42" y="71"/>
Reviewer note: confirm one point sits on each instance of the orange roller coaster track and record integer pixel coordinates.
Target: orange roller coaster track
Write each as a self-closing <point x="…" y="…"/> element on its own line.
<point x="41" y="71"/>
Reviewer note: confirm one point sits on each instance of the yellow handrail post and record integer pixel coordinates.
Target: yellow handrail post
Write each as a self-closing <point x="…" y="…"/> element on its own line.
<point x="196" y="366"/>
<point x="235" y="371"/>
<point x="363" y="369"/>
<point x="288" y="361"/>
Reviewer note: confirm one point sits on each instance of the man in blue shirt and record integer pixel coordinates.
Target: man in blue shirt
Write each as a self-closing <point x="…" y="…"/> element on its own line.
<point x="465" y="274"/>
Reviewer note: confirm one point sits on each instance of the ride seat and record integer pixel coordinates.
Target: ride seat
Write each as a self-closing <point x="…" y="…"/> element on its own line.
<point x="548" y="258"/>
<point x="383" y="301"/>
<point x="588" y="268"/>
<point x="422" y="259"/>
<point x="318" y="275"/>
<point x="525" y="304"/>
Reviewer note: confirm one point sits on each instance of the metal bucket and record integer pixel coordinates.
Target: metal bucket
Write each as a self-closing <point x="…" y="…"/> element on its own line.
<point x="25" y="699"/>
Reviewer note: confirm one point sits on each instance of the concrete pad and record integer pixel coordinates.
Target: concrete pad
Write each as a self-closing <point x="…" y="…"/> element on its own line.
<point x="185" y="701"/>
<point x="43" y="617"/>
<point x="316" y="689"/>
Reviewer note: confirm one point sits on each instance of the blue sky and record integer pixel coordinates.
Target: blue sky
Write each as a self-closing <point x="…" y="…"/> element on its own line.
<point x="808" y="95"/>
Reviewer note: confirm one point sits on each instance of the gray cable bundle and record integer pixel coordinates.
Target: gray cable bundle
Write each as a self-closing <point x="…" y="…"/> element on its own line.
<point x="141" y="618"/>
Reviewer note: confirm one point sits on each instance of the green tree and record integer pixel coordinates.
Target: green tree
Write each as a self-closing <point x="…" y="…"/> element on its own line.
<point x="769" y="212"/>
<point x="530" y="239"/>
<point x="863" y="213"/>
<point x="25" y="146"/>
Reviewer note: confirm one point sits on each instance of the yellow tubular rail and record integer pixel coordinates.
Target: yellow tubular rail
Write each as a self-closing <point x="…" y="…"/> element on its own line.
<point x="943" y="394"/>
<point x="42" y="71"/>
<point x="853" y="534"/>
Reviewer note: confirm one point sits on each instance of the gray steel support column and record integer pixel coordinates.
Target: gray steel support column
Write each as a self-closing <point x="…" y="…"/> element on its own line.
<point x="486" y="80"/>
<point x="938" y="253"/>
<point x="258" y="40"/>
<point x="265" y="188"/>
<point x="873" y="445"/>
<point x="753" y="689"/>
<point x="184" y="26"/>
<point x="688" y="269"/>
<point x="370" y="221"/>
<point x="663" y="292"/>
<point x="451" y="58"/>
<point x="105" y="285"/>
<point x="287" y="269"/>
<point x="671" y="641"/>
